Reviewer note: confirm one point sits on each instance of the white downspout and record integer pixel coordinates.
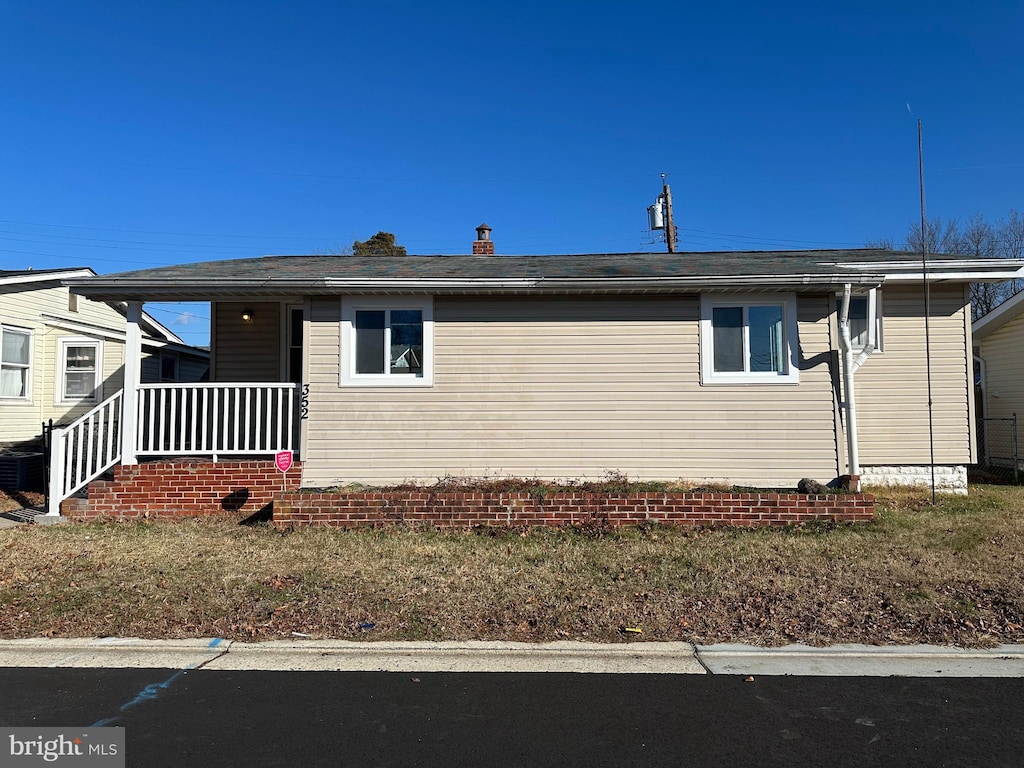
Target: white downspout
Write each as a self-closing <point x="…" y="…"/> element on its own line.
<point x="849" y="401"/>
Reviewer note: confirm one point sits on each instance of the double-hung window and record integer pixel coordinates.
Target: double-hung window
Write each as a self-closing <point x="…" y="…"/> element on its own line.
<point x="387" y="341"/>
<point x="80" y="369"/>
<point x="15" y="363"/>
<point x="861" y="309"/>
<point x="748" y="339"/>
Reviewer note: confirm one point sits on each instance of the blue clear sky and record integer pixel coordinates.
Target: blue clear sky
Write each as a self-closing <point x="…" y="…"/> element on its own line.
<point x="143" y="134"/>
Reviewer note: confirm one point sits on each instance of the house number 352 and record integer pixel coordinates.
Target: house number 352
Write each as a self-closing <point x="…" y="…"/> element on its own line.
<point x="304" y="403"/>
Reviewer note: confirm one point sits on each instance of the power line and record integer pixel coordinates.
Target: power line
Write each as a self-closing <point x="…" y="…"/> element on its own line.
<point x="156" y="232"/>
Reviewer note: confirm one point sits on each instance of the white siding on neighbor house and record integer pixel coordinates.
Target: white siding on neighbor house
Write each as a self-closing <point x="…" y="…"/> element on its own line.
<point x="1003" y="353"/>
<point x="24" y="308"/>
<point x="892" y="386"/>
<point x="246" y="352"/>
<point x="570" y="387"/>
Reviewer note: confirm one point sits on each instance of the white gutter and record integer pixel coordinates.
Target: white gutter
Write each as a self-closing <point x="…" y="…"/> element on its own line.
<point x="849" y="365"/>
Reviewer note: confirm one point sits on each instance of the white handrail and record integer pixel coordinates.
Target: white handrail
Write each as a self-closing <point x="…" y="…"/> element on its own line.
<point x="84" y="450"/>
<point x="202" y="419"/>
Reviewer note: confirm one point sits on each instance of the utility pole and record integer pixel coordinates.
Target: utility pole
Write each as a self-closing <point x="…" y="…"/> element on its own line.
<point x="660" y="215"/>
<point x="670" y="227"/>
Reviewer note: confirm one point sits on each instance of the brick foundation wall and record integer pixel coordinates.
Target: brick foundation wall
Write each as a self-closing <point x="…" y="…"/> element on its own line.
<point x="184" y="488"/>
<point x="459" y="510"/>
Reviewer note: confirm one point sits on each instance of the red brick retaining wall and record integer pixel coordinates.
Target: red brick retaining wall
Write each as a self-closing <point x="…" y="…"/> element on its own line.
<point x="196" y="487"/>
<point x="184" y="488"/>
<point x="457" y="510"/>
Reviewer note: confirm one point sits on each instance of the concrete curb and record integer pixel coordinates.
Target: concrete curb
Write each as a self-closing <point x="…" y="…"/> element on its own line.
<point x="498" y="656"/>
<point x="863" y="660"/>
<point x="465" y="656"/>
<point x="341" y="655"/>
<point x="114" y="652"/>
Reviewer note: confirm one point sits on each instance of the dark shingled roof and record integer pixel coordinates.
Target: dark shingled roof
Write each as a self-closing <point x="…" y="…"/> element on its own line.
<point x="280" y="275"/>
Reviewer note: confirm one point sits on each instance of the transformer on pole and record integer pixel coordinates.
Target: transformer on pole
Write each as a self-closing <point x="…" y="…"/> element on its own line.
<point x="659" y="215"/>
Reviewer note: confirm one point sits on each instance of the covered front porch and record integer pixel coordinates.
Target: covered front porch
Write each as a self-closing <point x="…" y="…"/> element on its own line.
<point x="220" y="422"/>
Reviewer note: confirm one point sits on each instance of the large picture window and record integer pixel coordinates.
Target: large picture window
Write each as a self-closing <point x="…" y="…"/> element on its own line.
<point x="80" y="369"/>
<point x="386" y="341"/>
<point x="748" y="339"/>
<point x="15" y="362"/>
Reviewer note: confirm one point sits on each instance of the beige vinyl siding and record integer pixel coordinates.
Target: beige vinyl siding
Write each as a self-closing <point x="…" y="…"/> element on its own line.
<point x="891" y="387"/>
<point x="1003" y="353"/>
<point x="24" y="307"/>
<point x="246" y="352"/>
<point x="569" y="388"/>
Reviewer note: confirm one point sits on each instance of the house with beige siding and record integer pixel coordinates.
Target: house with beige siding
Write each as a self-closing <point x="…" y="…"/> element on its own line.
<point x="999" y="347"/>
<point x="61" y="354"/>
<point x="749" y="368"/>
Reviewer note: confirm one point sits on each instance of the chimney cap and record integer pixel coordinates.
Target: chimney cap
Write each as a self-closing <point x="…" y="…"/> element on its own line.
<point x="483" y="246"/>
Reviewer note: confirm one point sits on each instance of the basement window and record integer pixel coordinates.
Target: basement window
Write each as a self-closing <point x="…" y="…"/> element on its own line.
<point x="748" y="339"/>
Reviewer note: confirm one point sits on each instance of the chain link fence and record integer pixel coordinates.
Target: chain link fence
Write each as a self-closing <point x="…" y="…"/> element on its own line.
<point x="999" y="449"/>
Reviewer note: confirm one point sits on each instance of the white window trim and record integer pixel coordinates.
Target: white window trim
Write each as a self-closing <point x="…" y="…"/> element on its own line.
<point x="349" y="306"/>
<point x="708" y="373"/>
<point x="874" y="299"/>
<point x="27" y="397"/>
<point x="60" y="396"/>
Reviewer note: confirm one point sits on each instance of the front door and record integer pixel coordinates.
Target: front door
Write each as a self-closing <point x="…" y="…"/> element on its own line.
<point x="293" y="344"/>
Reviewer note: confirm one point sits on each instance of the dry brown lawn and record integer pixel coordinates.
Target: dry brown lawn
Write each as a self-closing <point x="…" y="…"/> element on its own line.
<point x="949" y="574"/>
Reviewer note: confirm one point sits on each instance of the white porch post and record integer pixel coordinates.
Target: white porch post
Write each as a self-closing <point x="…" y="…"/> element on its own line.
<point x="132" y="379"/>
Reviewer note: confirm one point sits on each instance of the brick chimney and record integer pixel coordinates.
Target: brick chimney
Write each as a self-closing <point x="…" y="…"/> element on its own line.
<point x="483" y="245"/>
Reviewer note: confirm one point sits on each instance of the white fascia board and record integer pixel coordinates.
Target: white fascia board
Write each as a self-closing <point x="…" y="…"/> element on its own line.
<point x="998" y="317"/>
<point x="430" y="283"/>
<point x="610" y="283"/>
<point x="939" y="275"/>
<point x="722" y="282"/>
<point x="80" y="326"/>
<point x="44" y="277"/>
<point x="938" y="265"/>
<point x="91" y="329"/>
<point x="271" y="287"/>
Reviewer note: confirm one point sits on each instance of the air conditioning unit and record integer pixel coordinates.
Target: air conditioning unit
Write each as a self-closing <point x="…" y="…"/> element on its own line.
<point x="21" y="470"/>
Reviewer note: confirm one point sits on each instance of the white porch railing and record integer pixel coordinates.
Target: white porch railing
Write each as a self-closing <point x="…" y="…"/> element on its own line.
<point x="216" y="419"/>
<point x="204" y="419"/>
<point x="84" y="450"/>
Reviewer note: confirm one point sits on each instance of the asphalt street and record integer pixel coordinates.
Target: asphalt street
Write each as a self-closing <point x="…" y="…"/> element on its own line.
<point x="204" y="717"/>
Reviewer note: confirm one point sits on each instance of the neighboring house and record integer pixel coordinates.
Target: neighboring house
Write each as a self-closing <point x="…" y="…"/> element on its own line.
<point x="62" y="354"/>
<point x="719" y="366"/>
<point x="999" y="357"/>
